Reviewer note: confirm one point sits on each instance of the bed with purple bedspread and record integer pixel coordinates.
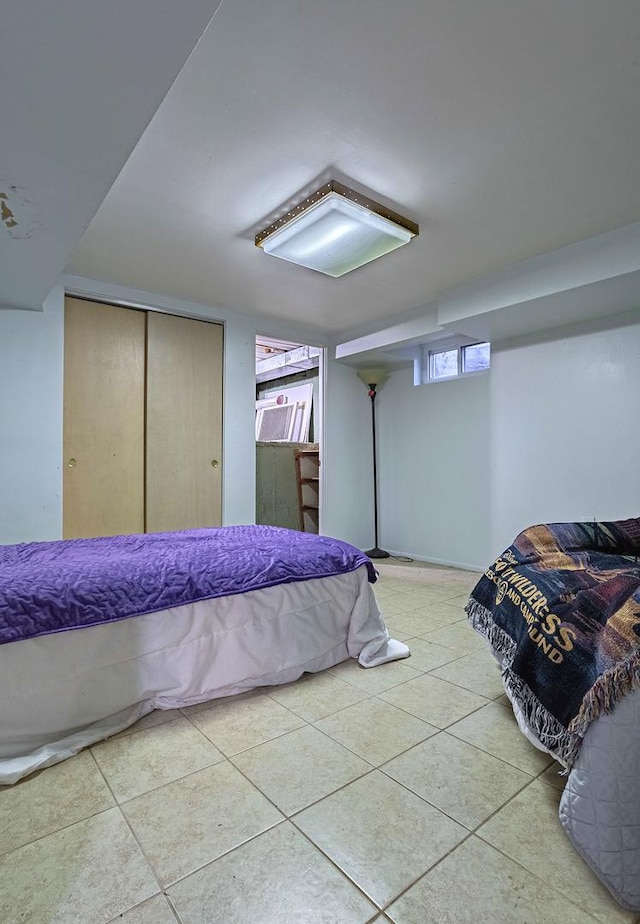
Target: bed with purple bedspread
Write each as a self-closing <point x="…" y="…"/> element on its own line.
<point x="95" y="633"/>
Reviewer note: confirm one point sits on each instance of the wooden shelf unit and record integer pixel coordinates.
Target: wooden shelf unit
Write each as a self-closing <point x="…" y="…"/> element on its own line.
<point x="308" y="481"/>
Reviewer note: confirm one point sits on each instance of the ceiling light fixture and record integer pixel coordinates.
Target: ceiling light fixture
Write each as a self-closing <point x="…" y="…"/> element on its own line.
<point x="336" y="230"/>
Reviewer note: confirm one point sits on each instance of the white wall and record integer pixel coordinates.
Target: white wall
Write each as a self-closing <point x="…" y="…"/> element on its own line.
<point x="346" y="458"/>
<point x="550" y="434"/>
<point x="238" y="421"/>
<point x="565" y="432"/>
<point x="31" y="422"/>
<point x="434" y="468"/>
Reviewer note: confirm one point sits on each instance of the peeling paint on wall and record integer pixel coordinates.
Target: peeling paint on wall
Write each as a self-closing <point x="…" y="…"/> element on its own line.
<point x="16" y="212"/>
<point x="5" y="212"/>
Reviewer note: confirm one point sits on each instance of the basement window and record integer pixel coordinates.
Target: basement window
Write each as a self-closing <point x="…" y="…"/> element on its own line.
<point x="476" y="357"/>
<point x="443" y="364"/>
<point x="453" y="361"/>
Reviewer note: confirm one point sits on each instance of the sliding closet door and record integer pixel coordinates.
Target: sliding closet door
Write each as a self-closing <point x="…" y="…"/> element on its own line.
<point x="184" y="423"/>
<point x="103" y="439"/>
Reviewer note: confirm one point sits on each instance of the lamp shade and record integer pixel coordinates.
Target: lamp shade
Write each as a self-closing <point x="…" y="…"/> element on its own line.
<point x="374" y="376"/>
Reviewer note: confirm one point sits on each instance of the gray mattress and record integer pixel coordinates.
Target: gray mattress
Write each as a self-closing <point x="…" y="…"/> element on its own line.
<point x="600" y="806"/>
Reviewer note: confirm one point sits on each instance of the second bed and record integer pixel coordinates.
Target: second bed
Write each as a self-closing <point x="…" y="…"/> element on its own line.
<point x="95" y="633"/>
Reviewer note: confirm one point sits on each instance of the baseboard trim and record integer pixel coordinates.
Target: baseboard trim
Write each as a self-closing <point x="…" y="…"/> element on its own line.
<point x="464" y="566"/>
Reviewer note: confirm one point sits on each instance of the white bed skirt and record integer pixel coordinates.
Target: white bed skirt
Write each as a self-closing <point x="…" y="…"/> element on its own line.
<point x="63" y="692"/>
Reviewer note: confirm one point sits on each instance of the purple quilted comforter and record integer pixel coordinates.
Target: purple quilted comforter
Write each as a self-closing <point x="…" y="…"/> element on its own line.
<point x="48" y="587"/>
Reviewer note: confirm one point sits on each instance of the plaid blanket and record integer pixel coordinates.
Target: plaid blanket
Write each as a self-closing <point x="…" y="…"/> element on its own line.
<point x="561" y="609"/>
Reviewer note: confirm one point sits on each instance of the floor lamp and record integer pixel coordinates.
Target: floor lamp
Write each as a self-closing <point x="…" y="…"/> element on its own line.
<point x="374" y="379"/>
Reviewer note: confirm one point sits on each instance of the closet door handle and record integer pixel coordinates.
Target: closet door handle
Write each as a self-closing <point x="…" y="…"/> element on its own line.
<point x="214" y="463"/>
<point x="71" y="463"/>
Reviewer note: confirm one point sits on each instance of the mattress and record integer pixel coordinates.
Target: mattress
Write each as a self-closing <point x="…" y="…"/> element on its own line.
<point x="560" y="609"/>
<point x="600" y="806"/>
<point x="63" y="691"/>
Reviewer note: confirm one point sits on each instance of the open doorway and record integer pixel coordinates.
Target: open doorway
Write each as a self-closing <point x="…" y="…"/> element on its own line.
<point x="288" y="433"/>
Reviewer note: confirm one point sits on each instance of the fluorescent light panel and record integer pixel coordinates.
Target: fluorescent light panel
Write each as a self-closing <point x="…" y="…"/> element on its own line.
<point x="336" y="230"/>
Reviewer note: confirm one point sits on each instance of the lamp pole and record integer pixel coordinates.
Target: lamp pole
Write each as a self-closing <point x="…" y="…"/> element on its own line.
<point x="375" y="552"/>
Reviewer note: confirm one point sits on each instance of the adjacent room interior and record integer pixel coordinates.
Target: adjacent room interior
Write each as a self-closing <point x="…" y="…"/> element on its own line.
<point x="289" y="383"/>
<point x="368" y="274"/>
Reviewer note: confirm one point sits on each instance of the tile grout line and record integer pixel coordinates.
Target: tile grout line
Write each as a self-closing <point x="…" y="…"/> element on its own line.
<point x="444" y="728"/>
<point x="162" y="889"/>
<point x="62" y="827"/>
<point x="430" y="868"/>
<point x="343" y="873"/>
<point x="251" y="747"/>
<point x="371" y="694"/>
<point x="367" y="695"/>
<point x="474" y="833"/>
<point x="229" y="759"/>
<point x="65" y="827"/>
<point x="449" y="730"/>
<point x="530" y="872"/>
<point x="167" y="782"/>
<point x="327" y="795"/>
<point x="470" y="833"/>
<point x="285" y="818"/>
<point x="378" y="911"/>
<point x="372" y="769"/>
<point x="118" y="806"/>
<point x="133" y="834"/>
<point x="399" y="754"/>
<point x="516" y="861"/>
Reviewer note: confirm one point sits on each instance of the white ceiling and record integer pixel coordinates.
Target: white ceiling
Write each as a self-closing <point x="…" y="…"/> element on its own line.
<point x="505" y="128"/>
<point x="79" y="83"/>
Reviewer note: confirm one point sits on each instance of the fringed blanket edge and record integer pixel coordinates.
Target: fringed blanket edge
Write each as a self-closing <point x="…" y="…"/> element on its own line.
<point x="564" y="744"/>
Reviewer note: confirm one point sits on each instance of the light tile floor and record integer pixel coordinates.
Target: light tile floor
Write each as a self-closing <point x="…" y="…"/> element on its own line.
<point x="404" y="794"/>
